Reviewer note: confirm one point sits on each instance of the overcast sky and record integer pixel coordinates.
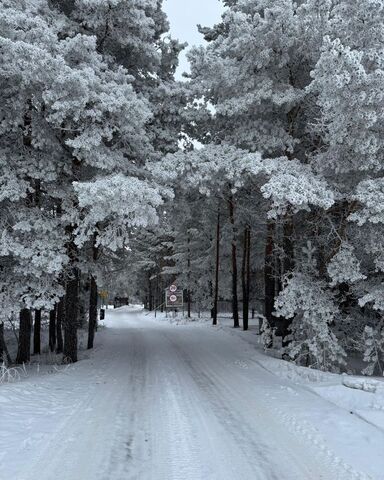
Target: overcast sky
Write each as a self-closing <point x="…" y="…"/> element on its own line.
<point x="184" y="15"/>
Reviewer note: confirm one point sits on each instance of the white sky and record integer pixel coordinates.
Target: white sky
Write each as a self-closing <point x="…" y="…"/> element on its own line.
<point x="184" y="15"/>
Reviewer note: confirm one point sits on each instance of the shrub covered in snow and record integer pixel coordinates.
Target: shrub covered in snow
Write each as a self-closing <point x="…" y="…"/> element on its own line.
<point x="312" y="308"/>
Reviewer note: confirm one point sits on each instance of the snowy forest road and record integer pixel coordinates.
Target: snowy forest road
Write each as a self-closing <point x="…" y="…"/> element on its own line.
<point x="160" y="402"/>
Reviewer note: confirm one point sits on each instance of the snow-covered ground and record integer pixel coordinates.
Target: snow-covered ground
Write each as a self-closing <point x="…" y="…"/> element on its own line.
<point x="162" y="401"/>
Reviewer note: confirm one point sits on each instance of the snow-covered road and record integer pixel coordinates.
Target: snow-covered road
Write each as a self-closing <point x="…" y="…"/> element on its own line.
<point x="161" y="402"/>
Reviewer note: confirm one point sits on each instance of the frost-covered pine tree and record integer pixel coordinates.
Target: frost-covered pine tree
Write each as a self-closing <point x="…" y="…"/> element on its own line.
<point x="78" y="121"/>
<point x="255" y="72"/>
<point x="348" y="83"/>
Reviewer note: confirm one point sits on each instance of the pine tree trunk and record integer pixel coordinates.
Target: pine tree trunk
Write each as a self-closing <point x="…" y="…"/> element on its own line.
<point x="189" y="278"/>
<point x="150" y="294"/>
<point x="4" y="355"/>
<point x="24" y="347"/>
<point x="92" y="312"/>
<point x="2" y="342"/>
<point x="235" y="303"/>
<point x="52" y="329"/>
<point x="217" y="271"/>
<point x="248" y="269"/>
<point x="269" y="281"/>
<point x="59" y="322"/>
<point x="37" y="333"/>
<point x="289" y="265"/>
<point x="245" y="276"/>
<point x="189" y="304"/>
<point x="71" y="317"/>
<point x="83" y="303"/>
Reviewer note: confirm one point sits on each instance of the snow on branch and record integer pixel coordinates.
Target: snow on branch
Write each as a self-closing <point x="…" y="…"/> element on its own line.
<point x="294" y="186"/>
<point x="291" y="185"/>
<point x="123" y="202"/>
<point x="370" y="195"/>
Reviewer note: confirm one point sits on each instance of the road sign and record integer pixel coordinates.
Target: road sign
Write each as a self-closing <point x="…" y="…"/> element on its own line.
<point x="174" y="297"/>
<point x="103" y="294"/>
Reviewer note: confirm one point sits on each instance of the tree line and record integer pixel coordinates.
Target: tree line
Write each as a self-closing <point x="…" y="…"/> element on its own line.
<point x="87" y="95"/>
<point x="280" y="206"/>
<point x="258" y="180"/>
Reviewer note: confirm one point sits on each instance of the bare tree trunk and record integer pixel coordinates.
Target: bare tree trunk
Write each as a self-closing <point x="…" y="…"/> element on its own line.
<point x="2" y="342"/>
<point x="59" y="322"/>
<point x="189" y="304"/>
<point x="289" y="265"/>
<point x="217" y="271"/>
<point x="52" y="329"/>
<point x="72" y="289"/>
<point x="4" y="355"/>
<point x="245" y="276"/>
<point x="235" y="303"/>
<point x="71" y="317"/>
<point x="150" y="294"/>
<point x="37" y="333"/>
<point x="24" y="347"/>
<point x="269" y="281"/>
<point x="92" y="312"/>
<point x="189" y="278"/>
<point x="248" y="269"/>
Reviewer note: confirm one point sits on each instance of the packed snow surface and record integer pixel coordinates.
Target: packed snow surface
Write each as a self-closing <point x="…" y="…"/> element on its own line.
<point x="159" y="401"/>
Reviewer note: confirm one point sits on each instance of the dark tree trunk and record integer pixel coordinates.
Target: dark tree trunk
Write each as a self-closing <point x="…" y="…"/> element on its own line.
<point x="4" y="355"/>
<point x="245" y="276"/>
<point x="71" y="317"/>
<point x="60" y="319"/>
<point x="2" y="342"/>
<point x="83" y="300"/>
<point x="150" y="294"/>
<point x="72" y="289"/>
<point x="52" y="330"/>
<point x="24" y="347"/>
<point x="37" y="333"/>
<point x="92" y="312"/>
<point x="244" y="281"/>
<point x="189" y="278"/>
<point x="235" y="302"/>
<point x="289" y="261"/>
<point x="248" y="268"/>
<point x="189" y="304"/>
<point x="289" y="265"/>
<point x="269" y="280"/>
<point x="217" y="271"/>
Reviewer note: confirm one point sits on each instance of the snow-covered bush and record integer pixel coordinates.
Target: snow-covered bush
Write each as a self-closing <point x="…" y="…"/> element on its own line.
<point x="267" y="333"/>
<point x="306" y="300"/>
<point x="344" y="266"/>
<point x="373" y="340"/>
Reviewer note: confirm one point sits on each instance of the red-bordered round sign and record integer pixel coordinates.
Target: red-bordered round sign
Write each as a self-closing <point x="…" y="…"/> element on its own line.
<point x="173" y="298"/>
<point x="173" y="288"/>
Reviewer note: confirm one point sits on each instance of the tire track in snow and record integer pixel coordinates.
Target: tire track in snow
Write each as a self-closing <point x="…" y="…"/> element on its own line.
<point x="169" y="403"/>
<point x="320" y="462"/>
